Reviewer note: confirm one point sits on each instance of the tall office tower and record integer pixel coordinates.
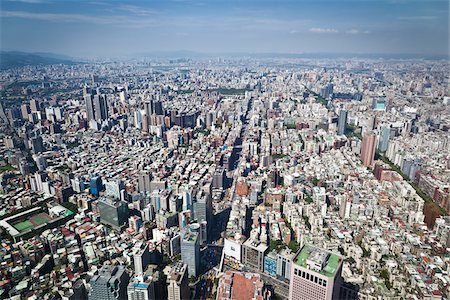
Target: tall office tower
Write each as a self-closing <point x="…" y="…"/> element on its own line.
<point x="109" y="284"/>
<point x="190" y="250"/>
<point x="141" y="288"/>
<point x="315" y="274"/>
<point x="89" y="99"/>
<point x="209" y="119"/>
<point x="186" y="194"/>
<point x="148" y="107"/>
<point x="25" y="111"/>
<point x="141" y="259"/>
<point x="158" y="108"/>
<point x="37" y="145"/>
<point x="345" y="207"/>
<point x="327" y="91"/>
<point x="369" y="143"/>
<point x="219" y="178"/>
<point x="144" y="181"/>
<point x="178" y="286"/>
<point x="342" y="121"/>
<point x="203" y="206"/>
<point x="284" y="263"/>
<point x="96" y="185"/>
<point x="113" y="212"/>
<point x="94" y="79"/>
<point x="384" y="139"/>
<point x="35" y="105"/>
<point x="100" y="107"/>
<point x="114" y="188"/>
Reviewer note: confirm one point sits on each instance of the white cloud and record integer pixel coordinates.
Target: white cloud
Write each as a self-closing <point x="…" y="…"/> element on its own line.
<point x="417" y="18"/>
<point x="29" y="1"/>
<point x="323" y="30"/>
<point x="356" y="31"/>
<point x="136" y="10"/>
<point x="54" y="17"/>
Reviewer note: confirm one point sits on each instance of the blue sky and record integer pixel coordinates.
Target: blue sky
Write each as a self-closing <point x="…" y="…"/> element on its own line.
<point x="115" y="28"/>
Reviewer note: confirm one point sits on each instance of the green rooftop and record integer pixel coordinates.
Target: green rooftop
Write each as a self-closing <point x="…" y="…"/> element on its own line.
<point x="330" y="260"/>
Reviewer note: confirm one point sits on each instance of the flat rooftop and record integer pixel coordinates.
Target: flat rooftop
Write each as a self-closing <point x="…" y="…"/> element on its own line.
<point x="327" y="259"/>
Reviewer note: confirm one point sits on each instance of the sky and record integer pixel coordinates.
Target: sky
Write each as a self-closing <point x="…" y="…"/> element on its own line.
<point x="101" y="28"/>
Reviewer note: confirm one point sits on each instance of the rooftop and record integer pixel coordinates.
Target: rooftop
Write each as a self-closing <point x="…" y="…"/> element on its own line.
<point x="328" y="261"/>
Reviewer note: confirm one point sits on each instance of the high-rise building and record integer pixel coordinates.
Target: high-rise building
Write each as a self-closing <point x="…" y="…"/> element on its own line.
<point x="315" y="274"/>
<point x="96" y="185"/>
<point x="109" y="284"/>
<point x="35" y="105"/>
<point x="113" y="212"/>
<point x="88" y="98"/>
<point x="284" y="262"/>
<point x="141" y="288"/>
<point x="144" y="181"/>
<point x="342" y="121"/>
<point x="37" y="144"/>
<point x="219" y="178"/>
<point x="190" y="251"/>
<point x="158" y="108"/>
<point x="178" y="285"/>
<point x="96" y="107"/>
<point x="384" y="139"/>
<point x="25" y="111"/>
<point x="254" y="252"/>
<point x="100" y="107"/>
<point x="327" y="91"/>
<point x="141" y="259"/>
<point x="369" y="143"/>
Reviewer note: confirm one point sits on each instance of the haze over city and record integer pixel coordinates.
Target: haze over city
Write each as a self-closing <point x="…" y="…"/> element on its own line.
<point x="129" y="28"/>
<point x="224" y="150"/>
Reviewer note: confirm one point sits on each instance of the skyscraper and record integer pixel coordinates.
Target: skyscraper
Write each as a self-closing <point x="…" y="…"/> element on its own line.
<point x="190" y="251"/>
<point x="100" y="107"/>
<point x="384" y="139"/>
<point x="141" y="288"/>
<point x="315" y="274"/>
<point x="96" y="107"/>
<point x="89" y="107"/>
<point x="109" y="284"/>
<point x="113" y="212"/>
<point x="342" y="121"/>
<point x="178" y="287"/>
<point x="368" y="148"/>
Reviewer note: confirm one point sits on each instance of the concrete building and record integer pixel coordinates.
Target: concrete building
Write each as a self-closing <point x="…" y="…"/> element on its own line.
<point x="141" y="288"/>
<point x="369" y="143"/>
<point x="178" y="286"/>
<point x="110" y="283"/>
<point x="253" y="255"/>
<point x="315" y="274"/>
<point x="190" y="251"/>
<point x="284" y="263"/>
<point x="342" y="121"/>
<point x="113" y="212"/>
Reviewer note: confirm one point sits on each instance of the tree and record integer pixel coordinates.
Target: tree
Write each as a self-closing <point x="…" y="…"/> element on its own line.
<point x="293" y="245"/>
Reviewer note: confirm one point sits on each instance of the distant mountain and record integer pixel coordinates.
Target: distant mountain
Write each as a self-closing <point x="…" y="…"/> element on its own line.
<point x="13" y="59"/>
<point x="262" y="55"/>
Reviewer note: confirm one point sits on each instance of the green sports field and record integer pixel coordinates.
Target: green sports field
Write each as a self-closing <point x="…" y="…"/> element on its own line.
<point x="33" y="222"/>
<point x="23" y="226"/>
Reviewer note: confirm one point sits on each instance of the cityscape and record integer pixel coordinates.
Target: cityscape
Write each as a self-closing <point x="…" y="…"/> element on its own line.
<point x="143" y="171"/>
